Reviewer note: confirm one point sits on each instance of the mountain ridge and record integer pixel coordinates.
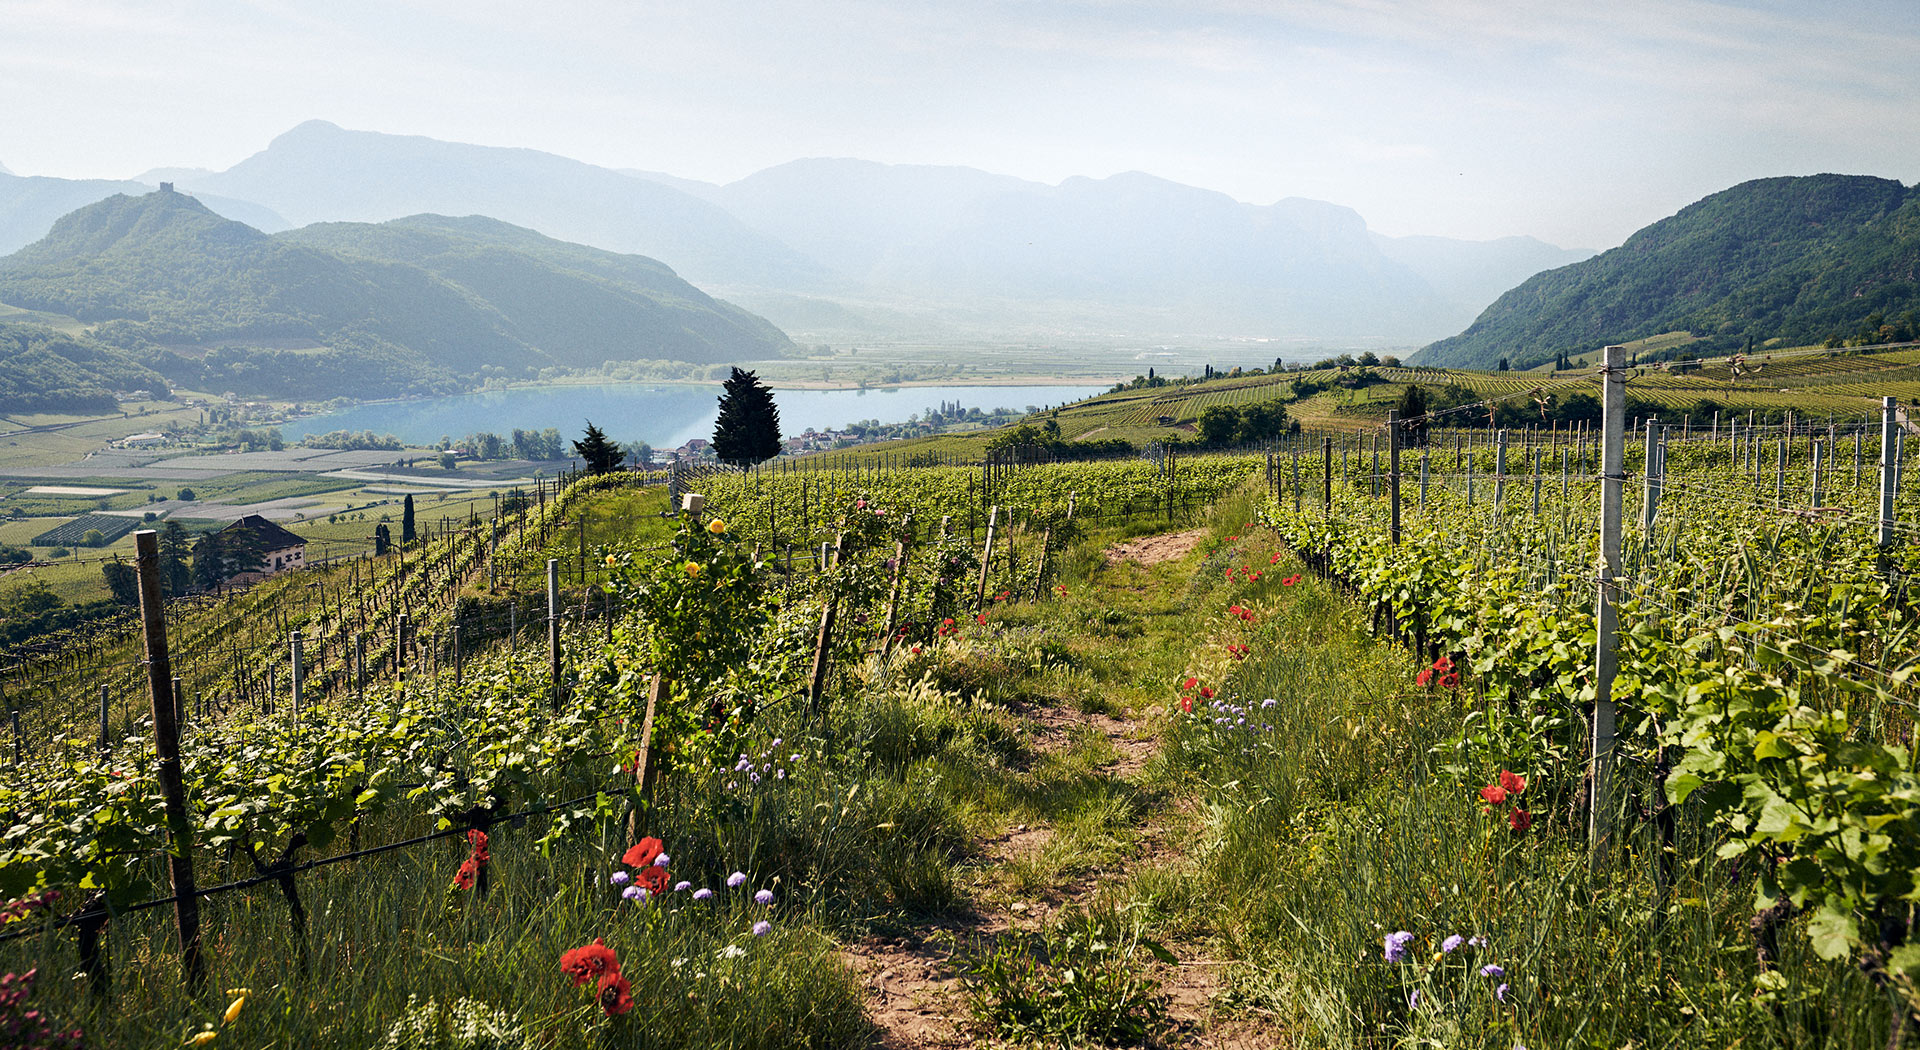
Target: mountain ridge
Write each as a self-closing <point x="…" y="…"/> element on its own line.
<point x="1798" y="259"/>
<point x="428" y="304"/>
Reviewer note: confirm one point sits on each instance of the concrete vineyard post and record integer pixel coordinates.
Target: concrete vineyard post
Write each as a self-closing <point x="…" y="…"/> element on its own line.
<point x="1326" y="476"/>
<point x="360" y="667"/>
<point x="1606" y="657"/>
<point x="166" y="741"/>
<point x="1296" y="481"/>
<point x="1424" y="455"/>
<point x="553" y="630"/>
<point x="1888" y="467"/>
<point x="1780" y="472"/>
<point x="299" y="676"/>
<point x="1814" y="494"/>
<point x="1500" y="473"/>
<point x="823" y="644"/>
<point x="105" y="745"/>
<point x="1393" y="473"/>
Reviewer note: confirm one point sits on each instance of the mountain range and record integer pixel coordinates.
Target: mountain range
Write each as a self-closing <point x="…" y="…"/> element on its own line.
<point x="419" y="304"/>
<point x="1793" y="261"/>
<point x="850" y="250"/>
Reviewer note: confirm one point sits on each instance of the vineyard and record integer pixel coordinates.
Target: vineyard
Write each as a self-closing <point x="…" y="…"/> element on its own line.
<point x="1328" y="740"/>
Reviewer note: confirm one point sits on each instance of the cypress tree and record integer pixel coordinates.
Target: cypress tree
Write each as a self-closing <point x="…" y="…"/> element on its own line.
<point x="1413" y="415"/>
<point x="406" y="522"/>
<point x="599" y="454"/>
<point x="748" y="430"/>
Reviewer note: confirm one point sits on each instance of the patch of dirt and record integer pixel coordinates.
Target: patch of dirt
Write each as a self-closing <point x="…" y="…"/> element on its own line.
<point x="1152" y="550"/>
<point x="913" y="993"/>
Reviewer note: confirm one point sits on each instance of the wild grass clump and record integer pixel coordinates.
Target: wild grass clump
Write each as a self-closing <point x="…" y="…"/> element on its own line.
<point x="1377" y="901"/>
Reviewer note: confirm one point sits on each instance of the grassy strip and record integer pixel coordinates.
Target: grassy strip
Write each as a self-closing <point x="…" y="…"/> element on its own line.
<point x="1324" y="824"/>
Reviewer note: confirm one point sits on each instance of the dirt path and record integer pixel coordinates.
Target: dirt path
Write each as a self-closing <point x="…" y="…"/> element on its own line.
<point x="912" y="978"/>
<point x="1152" y="550"/>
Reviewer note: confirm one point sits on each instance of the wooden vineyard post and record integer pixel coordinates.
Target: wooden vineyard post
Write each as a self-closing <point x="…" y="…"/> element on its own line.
<point x="893" y="592"/>
<point x="400" y="644"/>
<point x="1393" y="472"/>
<point x="166" y="740"/>
<point x="553" y="630"/>
<point x="1606" y="658"/>
<point x="105" y="744"/>
<point x="986" y="559"/>
<point x="1424" y="455"/>
<point x="360" y="667"/>
<point x="645" y="769"/>
<point x="823" y="644"/>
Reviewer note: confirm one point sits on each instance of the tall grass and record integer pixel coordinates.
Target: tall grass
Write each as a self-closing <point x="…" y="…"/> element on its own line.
<point x="1327" y="824"/>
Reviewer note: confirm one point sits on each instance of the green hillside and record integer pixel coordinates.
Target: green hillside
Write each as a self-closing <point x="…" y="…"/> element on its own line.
<point x="1793" y="260"/>
<point x="418" y="306"/>
<point x="42" y="370"/>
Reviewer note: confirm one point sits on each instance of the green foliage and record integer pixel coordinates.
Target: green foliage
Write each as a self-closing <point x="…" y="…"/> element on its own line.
<point x="1080" y="982"/>
<point x="43" y="370"/>
<point x="748" y="428"/>
<point x="122" y="582"/>
<point x="424" y="305"/>
<point x="1795" y="259"/>
<point x="599" y="454"/>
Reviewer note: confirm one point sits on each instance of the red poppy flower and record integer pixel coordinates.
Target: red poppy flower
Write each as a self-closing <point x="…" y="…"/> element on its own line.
<point x="1254" y="577"/>
<point x="1190" y="683"/>
<point x="477" y="839"/>
<point x="1206" y="692"/>
<point x="1519" y="819"/>
<point x="1275" y="559"/>
<point x="1291" y="580"/>
<point x="1443" y="665"/>
<point x="948" y="622"/>
<point x="916" y="650"/>
<point x="1450" y="681"/>
<point x="1494" y="793"/>
<point x="642" y="853"/>
<point x="979" y="617"/>
<point x="1186" y="704"/>
<point x="616" y="995"/>
<point x="467" y="873"/>
<point x="1230" y="539"/>
<point x="588" y="962"/>
<point x="653" y="879"/>
<point x="1425" y="678"/>
<point x="1513" y="782"/>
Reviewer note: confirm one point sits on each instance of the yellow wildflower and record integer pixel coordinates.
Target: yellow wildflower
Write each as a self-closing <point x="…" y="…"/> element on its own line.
<point x="610" y="561"/>
<point x="233" y="1011"/>
<point x="693" y="568"/>
<point x="202" y="1038"/>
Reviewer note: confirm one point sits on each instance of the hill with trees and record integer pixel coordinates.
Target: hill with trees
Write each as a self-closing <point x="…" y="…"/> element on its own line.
<point x="45" y="370"/>
<point x="421" y="305"/>
<point x="1820" y="258"/>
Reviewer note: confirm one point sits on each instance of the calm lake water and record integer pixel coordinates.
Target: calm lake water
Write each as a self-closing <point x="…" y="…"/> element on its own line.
<point x="664" y="415"/>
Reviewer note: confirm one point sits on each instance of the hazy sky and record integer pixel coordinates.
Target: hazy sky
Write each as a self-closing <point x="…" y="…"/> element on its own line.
<point x="1577" y="122"/>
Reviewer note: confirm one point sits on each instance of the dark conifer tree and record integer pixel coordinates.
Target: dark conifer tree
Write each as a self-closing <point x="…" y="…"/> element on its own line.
<point x="748" y="430"/>
<point x="382" y="539"/>
<point x="1413" y="415"/>
<point x="599" y="454"/>
<point x="406" y="522"/>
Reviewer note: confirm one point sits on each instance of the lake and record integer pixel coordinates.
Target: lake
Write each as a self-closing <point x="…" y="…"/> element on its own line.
<point x="664" y="415"/>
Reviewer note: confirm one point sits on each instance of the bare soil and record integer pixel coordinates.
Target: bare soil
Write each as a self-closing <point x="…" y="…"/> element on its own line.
<point x="1152" y="550"/>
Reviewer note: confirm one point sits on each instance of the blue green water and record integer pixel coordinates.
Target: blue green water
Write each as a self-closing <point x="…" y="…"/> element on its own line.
<point x="664" y="415"/>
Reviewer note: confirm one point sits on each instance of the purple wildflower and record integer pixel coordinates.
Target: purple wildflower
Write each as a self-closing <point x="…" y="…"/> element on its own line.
<point x="682" y="887"/>
<point x="760" y="928"/>
<point x="736" y="879"/>
<point x="1452" y="942"/>
<point x="1492" y="970"/>
<point x="619" y="878"/>
<point x="1396" y="946"/>
<point x="702" y="894"/>
<point x="1500" y="993"/>
<point x="763" y="897"/>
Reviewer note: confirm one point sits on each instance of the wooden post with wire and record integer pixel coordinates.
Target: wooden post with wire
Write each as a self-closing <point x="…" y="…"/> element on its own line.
<point x="1606" y="656"/>
<point x="1326" y="477"/>
<point x="166" y="741"/>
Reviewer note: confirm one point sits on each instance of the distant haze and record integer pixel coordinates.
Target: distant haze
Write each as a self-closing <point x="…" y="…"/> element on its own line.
<point x="1575" y="123"/>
